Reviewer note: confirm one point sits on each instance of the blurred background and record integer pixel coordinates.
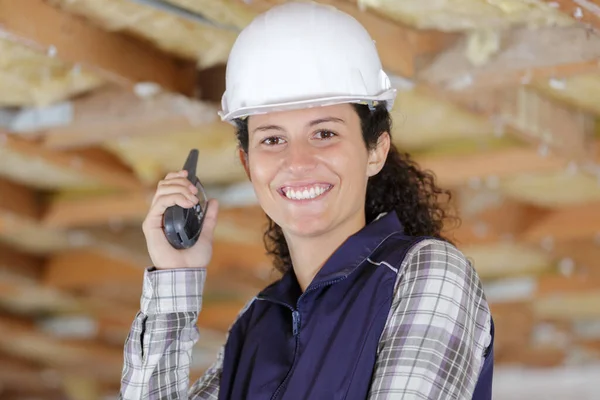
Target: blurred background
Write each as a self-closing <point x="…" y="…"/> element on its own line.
<point x="99" y="99"/>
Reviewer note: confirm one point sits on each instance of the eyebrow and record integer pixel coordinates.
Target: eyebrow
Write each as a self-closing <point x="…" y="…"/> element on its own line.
<point x="311" y="123"/>
<point x="326" y="119"/>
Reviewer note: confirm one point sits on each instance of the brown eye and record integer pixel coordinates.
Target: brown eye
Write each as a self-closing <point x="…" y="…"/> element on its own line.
<point x="272" y="140"/>
<point x="324" y="135"/>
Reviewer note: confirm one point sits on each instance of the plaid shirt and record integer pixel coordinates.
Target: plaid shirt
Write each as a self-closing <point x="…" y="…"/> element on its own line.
<point x="432" y="346"/>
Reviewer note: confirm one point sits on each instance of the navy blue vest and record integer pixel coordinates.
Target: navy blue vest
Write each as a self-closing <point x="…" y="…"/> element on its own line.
<point x="322" y="344"/>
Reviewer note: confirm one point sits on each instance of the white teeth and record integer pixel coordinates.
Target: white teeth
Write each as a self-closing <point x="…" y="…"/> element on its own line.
<point x="305" y="194"/>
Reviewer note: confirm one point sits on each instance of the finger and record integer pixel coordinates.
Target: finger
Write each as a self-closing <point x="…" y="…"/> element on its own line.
<point x="173" y="189"/>
<point x="175" y="174"/>
<point x="164" y="202"/>
<point x="172" y="175"/>
<point x="210" y="220"/>
<point x="178" y="180"/>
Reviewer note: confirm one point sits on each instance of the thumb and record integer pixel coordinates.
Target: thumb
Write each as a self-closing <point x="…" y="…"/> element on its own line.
<point x="210" y="220"/>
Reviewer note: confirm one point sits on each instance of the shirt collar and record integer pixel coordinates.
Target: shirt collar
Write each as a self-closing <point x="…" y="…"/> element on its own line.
<point x="343" y="261"/>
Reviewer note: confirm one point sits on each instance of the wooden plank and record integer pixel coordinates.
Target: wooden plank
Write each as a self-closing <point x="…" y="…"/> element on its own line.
<point x="91" y="171"/>
<point x="456" y="170"/>
<point x="569" y="307"/>
<point x="99" y="210"/>
<point x="122" y="59"/>
<point x="116" y="113"/>
<point x="403" y="50"/>
<point x="580" y="256"/>
<point x="18" y="267"/>
<point x="586" y="11"/>
<point x="568" y="223"/>
<point x="78" y="269"/>
<point x="23" y="376"/>
<point x="534" y="356"/>
<point x="552" y="285"/>
<point x="20" y="338"/>
<point x="20" y="210"/>
<point x="523" y="55"/>
<point x="536" y="119"/>
<point x="500" y="221"/>
<point x="85" y="269"/>
<point x="19" y="200"/>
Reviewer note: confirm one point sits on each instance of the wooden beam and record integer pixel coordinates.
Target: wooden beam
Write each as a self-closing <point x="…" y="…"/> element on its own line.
<point x="20" y="210"/>
<point x="18" y="199"/>
<point x="536" y="119"/>
<point x="82" y="169"/>
<point x="86" y="269"/>
<point x="21" y="339"/>
<point x="403" y="50"/>
<point x="523" y="55"/>
<point x="534" y="356"/>
<point x="100" y="210"/>
<point x="586" y="11"/>
<point x="78" y="269"/>
<point x="116" y="113"/>
<point x="17" y="267"/>
<point x="456" y="170"/>
<point x="570" y="223"/>
<point x="553" y="285"/>
<point x="498" y="222"/>
<point x="579" y="256"/>
<point x="122" y="59"/>
<point x="20" y="375"/>
<point x="569" y="307"/>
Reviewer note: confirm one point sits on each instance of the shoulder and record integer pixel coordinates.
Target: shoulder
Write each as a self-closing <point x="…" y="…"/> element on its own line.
<point x="435" y="273"/>
<point x="437" y="280"/>
<point x="432" y="257"/>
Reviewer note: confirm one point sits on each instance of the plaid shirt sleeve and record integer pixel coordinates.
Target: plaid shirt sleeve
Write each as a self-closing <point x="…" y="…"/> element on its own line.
<point x="437" y="331"/>
<point x="158" y="349"/>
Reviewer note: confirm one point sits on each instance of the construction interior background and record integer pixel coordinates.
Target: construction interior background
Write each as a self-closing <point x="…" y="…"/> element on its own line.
<point x="101" y="98"/>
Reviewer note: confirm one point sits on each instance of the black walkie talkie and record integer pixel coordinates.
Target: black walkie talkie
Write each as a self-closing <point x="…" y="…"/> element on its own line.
<point x="182" y="226"/>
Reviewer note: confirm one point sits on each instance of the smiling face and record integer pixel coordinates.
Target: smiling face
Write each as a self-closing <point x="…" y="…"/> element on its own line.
<point x="310" y="168"/>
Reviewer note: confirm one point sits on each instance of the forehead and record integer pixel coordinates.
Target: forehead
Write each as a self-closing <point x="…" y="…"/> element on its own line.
<point x="303" y="117"/>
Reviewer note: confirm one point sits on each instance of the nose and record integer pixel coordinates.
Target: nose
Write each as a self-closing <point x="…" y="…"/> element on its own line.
<point x="300" y="157"/>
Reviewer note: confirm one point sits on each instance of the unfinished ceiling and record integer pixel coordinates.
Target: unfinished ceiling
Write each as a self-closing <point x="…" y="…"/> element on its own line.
<point x="100" y="98"/>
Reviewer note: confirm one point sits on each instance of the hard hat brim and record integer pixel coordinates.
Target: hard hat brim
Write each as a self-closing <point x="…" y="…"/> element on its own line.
<point x="388" y="96"/>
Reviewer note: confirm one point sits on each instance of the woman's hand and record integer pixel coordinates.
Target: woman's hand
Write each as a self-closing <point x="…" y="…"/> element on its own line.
<point x="176" y="189"/>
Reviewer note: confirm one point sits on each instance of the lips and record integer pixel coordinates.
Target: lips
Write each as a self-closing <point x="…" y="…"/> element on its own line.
<point x="306" y="191"/>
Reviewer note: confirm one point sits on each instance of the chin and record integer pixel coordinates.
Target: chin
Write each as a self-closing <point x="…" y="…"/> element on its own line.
<point x="301" y="223"/>
<point x="306" y="226"/>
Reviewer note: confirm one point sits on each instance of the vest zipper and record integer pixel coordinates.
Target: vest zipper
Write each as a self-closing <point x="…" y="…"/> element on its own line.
<point x="295" y="331"/>
<point x="295" y="322"/>
<point x="296" y="328"/>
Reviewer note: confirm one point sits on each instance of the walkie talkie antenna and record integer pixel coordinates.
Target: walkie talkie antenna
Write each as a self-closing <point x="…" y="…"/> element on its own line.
<point x="191" y="163"/>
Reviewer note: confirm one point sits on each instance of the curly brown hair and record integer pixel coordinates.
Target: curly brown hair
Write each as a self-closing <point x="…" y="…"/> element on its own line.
<point x="400" y="185"/>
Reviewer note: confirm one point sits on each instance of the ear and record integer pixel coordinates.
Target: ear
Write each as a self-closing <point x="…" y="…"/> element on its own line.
<point x="378" y="155"/>
<point x="244" y="160"/>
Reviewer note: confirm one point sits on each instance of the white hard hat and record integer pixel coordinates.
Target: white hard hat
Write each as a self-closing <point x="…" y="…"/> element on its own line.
<point x="299" y="55"/>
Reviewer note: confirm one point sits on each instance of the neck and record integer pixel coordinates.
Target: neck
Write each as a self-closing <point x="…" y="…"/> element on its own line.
<point x="309" y="254"/>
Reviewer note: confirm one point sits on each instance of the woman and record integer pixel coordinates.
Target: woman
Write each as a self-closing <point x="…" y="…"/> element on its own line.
<point x="374" y="302"/>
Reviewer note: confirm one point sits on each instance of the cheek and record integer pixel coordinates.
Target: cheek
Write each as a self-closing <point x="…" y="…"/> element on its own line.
<point x="262" y="171"/>
<point x="349" y="163"/>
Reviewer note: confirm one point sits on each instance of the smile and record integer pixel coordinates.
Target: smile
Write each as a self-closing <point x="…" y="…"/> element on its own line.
<point x="309" y="192"/>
